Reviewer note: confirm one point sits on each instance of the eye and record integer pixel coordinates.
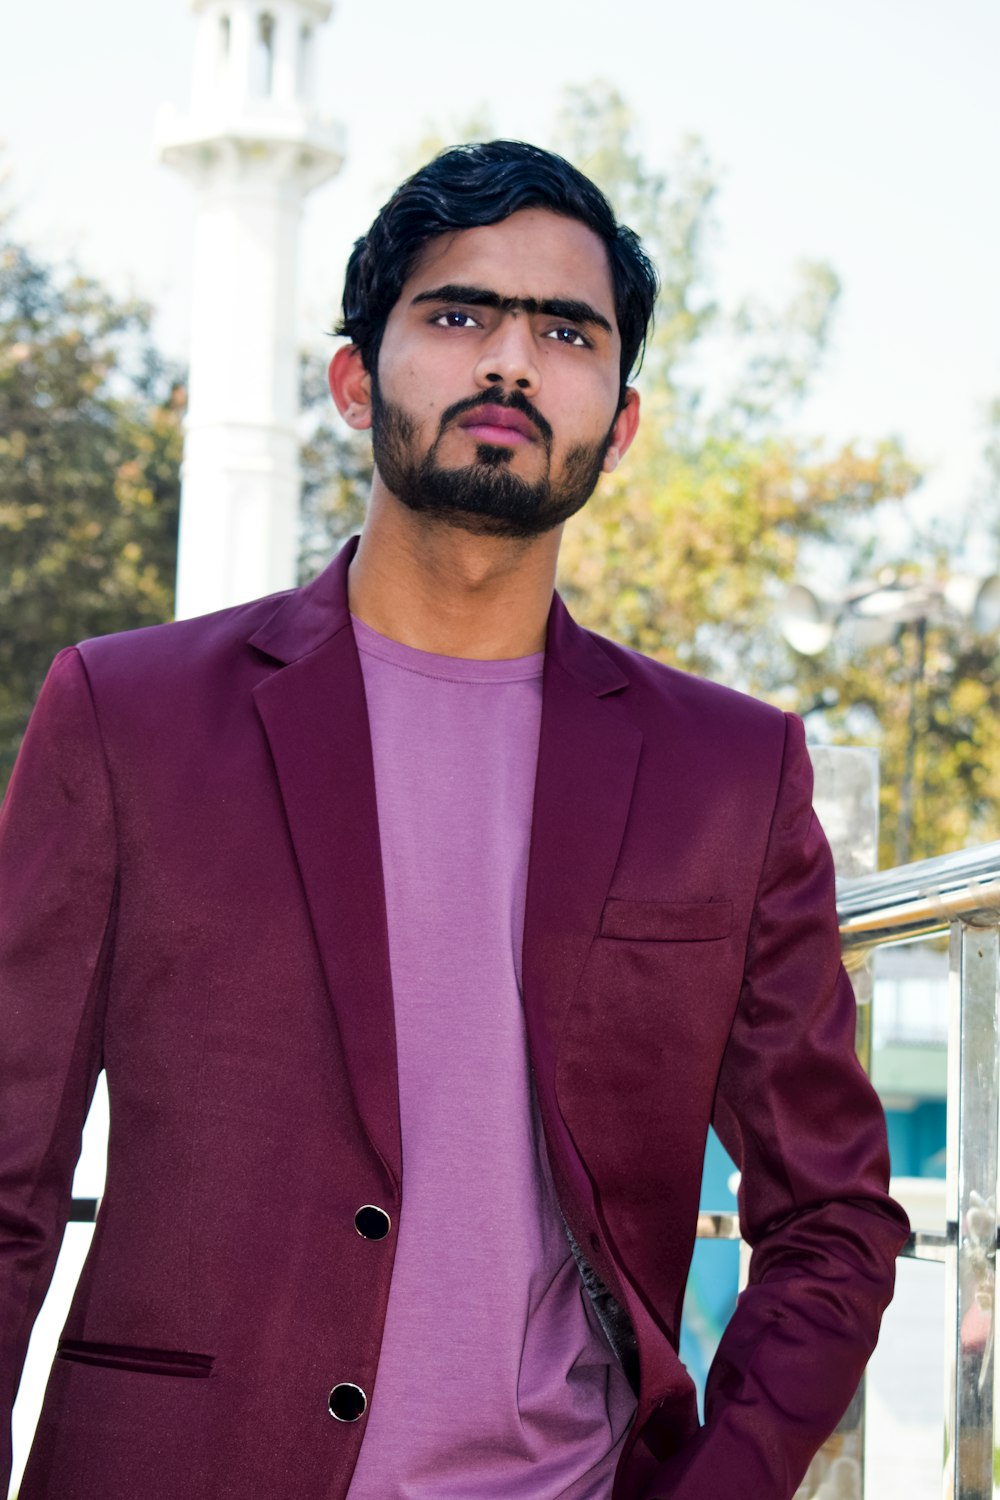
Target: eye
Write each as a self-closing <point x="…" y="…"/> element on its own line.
<point x="454" y="317"/>
<point x="569" y="335"/>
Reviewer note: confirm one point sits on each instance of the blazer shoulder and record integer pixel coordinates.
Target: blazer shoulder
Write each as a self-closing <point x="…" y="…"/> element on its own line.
<point x="683" y="693"/>
<point x="154" y="654"/>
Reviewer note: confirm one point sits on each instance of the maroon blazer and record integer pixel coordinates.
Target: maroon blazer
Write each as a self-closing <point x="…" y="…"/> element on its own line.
<point x="192" y="899"/>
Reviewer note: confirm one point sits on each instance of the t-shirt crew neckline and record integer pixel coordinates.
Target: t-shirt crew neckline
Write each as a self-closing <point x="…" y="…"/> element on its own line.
<point x="448" y="668"/>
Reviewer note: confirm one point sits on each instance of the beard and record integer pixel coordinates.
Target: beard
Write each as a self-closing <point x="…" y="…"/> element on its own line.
<point x="484" y="497"/>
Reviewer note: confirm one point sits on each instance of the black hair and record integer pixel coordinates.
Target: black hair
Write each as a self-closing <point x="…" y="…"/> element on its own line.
<point x="469" y="186"/>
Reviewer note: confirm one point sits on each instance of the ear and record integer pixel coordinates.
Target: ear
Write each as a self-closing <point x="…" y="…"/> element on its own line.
<point x="624" y="430"/>
<point x="351" y="387"/>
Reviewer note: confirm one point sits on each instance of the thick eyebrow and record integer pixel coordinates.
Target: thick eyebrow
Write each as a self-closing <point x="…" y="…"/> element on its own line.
<point x="553" y="307"/>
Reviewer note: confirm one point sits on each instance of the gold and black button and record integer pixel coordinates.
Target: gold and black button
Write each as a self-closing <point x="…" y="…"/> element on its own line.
<point x="347" y="1402"/>
<point x="372" y="1223"/>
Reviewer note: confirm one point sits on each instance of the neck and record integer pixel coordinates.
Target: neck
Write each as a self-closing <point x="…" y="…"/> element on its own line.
<point x="440" y="589"/>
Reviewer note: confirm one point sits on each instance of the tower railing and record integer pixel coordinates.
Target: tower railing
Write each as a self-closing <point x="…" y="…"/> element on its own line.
<point x="958" y="894"/>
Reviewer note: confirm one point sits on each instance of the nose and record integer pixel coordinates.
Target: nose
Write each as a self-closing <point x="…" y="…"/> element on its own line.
<point x="508" y="357"/>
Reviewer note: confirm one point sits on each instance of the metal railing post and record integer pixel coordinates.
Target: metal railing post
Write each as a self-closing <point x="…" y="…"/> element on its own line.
<point x="972" y="1164"/>
<point x="959" y="892"/>
<point x="846" y="801"/>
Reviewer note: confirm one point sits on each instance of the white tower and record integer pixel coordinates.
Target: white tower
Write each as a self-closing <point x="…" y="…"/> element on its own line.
<point x="254" y="146"/>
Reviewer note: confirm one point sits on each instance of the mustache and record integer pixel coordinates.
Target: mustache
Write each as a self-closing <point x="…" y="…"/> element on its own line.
<point x="513" y="400"/>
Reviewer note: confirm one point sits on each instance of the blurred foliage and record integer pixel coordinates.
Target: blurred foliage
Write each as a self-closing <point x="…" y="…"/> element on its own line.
<point x="435" y="137"/>
<point x="336" y="472"/>
<point x="685" y="551"/>
<point x="987" y="496"/>
<point x="951" y="708"/>
<point x="90" y="444"/>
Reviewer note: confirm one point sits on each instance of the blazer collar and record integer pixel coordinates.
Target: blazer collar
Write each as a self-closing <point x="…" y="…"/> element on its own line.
<point x="588" y="756"/>
<point x="306" y="618"/>
<point x="315" y="716"/>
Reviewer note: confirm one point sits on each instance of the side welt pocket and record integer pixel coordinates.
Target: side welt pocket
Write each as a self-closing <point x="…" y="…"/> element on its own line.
<point x="142" y="1361"/>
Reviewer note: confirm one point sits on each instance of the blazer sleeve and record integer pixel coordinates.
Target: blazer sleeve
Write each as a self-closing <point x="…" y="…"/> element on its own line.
<point x="58" y="882"/>
<point x="801" y="1120"/>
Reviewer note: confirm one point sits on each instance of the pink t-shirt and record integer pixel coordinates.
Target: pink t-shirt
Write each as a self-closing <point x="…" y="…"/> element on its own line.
<point x="494" y="1378"/>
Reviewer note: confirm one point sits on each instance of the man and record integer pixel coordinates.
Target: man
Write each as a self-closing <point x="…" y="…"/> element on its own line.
<point x="421" y="934"/>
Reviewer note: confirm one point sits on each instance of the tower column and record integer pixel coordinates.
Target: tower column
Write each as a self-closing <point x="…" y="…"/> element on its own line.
<point x="287" y="80"/>
<point x="242" y="26"/>
<point x="207" y="59"/>
<point x="252" y="156"/>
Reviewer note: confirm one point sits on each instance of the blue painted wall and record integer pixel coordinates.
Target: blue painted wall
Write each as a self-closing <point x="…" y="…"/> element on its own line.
<point x="712" y="1284"/>
<point x="916" y="1149"/>
<point x="916" y="1139"/>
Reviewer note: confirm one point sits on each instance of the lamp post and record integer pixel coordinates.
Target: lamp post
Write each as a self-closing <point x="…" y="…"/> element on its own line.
<point x="880" y="610"/>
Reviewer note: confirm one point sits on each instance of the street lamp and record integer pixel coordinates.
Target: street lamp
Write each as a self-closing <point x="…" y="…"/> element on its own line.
<point x="876" y="611"/>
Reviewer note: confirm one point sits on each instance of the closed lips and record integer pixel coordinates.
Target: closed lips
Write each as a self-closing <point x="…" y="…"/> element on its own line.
<point x="507" y="423"/>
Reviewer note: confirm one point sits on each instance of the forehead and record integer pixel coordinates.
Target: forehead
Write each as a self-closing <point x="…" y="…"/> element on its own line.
<point x="533" y="253"/>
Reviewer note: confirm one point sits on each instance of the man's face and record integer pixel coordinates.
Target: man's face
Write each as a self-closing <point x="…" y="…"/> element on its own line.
<point x="495" y="402"/>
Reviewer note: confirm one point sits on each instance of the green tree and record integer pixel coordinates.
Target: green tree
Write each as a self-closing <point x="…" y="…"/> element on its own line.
<point x="929" y="699"/>
<point x="336" y="472"/>
<point x="987" y="495"/>
<point x="90" y="441"/>
<point x="686" y="550"/>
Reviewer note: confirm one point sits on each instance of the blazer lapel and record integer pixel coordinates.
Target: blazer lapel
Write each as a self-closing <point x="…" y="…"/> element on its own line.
<point x="316" y="719"/>
<point x="587" y="759"/>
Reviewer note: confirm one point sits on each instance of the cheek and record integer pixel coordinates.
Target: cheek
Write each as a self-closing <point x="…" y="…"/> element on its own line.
<point x="420" y="389"/>
<point x="588" y="400"/>
<point x="585" y="425"/>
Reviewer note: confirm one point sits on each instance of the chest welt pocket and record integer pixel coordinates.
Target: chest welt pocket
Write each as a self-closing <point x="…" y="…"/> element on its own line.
<point x="666" y="921"/>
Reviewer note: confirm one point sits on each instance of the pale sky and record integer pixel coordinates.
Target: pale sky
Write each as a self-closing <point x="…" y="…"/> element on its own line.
<point x="865" y="133"/>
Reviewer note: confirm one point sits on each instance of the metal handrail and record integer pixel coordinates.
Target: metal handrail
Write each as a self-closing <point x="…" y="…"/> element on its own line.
<point x="915" y="901"/>
<point x="898" y="906"/>
<point x="959" y="894"/>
